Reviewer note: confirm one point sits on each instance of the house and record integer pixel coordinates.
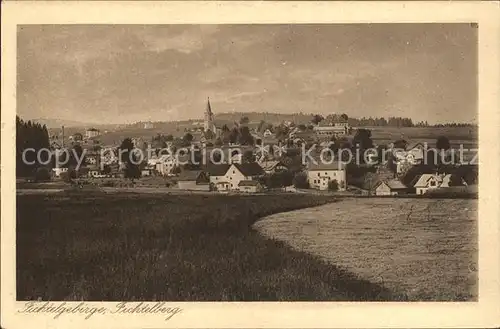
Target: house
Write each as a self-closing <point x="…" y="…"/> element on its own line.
<point x="243" y="171"/>
<point x="267" y="133"/>
<point x="225" y="177"/>
<point x="164" y="165"/>
<point x="77" y="137"/>
<point x="272" y="166"/>
<point x="330" y="131"/>
<point x="425" y="182"/>
<point x="146" y="172"/>
<point x="390" y="187"/>
<point x="217" y="176"/>
<point x="250" y="186"/>
<point x="58" y="171"/>
<point x="319" y="175"/>
<point x="194" y="180"/>
<point x="91" y="133"/>
<point x="415" y="153"/>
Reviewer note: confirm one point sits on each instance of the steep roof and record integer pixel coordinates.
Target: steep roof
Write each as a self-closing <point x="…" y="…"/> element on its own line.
<point x="423" y="179"/>
<point x="189" y="175"/>
<point x="396" y="184"/>
<point x="248" y="183"/>
<point x="269" y="165"/>
<point x="319" y="166"/>
<point x="249" y="169"/>
<point x="218" y="169"/>
<point x="413" y="145"/>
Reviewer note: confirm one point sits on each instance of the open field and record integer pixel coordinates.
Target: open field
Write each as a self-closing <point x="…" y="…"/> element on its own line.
<point x="459" y="134"/>
<point x="425" y="249"/>
<point x="126" y="246"/>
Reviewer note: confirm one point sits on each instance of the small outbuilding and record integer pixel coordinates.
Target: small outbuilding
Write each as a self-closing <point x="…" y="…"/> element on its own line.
<point x="194" y="180"/>
<point x="250" y="186"/>
<point x="390" y="187"/>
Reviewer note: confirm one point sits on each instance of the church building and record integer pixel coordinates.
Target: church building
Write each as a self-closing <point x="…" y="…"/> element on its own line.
<point x="209" y="124"/>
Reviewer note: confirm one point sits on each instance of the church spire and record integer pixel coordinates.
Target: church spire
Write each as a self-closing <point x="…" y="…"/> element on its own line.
<point x="209" y="108"/>
<point x="209" y="117"/>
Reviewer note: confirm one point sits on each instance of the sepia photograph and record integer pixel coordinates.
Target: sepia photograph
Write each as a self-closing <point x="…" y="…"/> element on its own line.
<point x="247" y="163"/>
<point x="157" y="164"/>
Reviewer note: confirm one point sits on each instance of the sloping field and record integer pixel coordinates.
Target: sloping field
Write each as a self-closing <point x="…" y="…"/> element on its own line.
<point x="425" y="249"/>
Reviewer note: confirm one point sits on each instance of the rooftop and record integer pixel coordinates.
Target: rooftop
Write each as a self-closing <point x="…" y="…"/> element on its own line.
<point x="248" y="183"/>
<point x="250" y="169"/>
<point x="319" y="166"/>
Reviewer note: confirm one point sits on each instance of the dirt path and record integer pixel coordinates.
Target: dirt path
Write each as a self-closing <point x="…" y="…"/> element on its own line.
<point x="426" y="249"/>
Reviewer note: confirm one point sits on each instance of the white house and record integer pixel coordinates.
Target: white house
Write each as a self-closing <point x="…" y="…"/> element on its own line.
<point x="267" y="133"/>
<point x="164" y="165"/>
<point x="59" y="171"/>
<point x="319" y="175"/>
<point x="92" y="132"/>
<point x="413" y="155"/>
<point x="427" y="181"/>
<point x="228" y="177"/>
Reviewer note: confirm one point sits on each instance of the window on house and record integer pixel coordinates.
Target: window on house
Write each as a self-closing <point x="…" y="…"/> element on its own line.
<point x="433" y="183"/>
<point x="326" y="173"/>
<point x="319" y="174"/>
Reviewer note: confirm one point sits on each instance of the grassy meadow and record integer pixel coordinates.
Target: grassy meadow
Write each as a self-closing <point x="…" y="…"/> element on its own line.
<point x="425" y="249"/>
<point x="95" y="246"/>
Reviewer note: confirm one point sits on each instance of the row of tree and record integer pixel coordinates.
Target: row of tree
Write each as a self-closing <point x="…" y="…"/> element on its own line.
<point x="30" y="135"/>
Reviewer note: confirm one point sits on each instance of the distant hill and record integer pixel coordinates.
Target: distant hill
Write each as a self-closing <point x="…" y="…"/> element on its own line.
<point x="58" y="123"/>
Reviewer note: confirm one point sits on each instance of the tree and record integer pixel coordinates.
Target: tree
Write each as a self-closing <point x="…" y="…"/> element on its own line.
<point x="300" y="180"/>
<point x="30" y="135"/>
<point x="129" y="158"/>
<point x="42" y="174"/>
<point x="209" y="134"/>
<point x="316" y="119"/>
<point x="188" y="137"/>
<point x="248" y="157"/>
<point x="218" y="142"/>
<point x="456" y="180"/>
<point x="245" y="137"/>
<point x="381" y="152"/>
<point x="244" y="120"/>
<point x="282" y="132"/>
<point x="233" y="136"/>
<point x="442" y="143"/>
<point x="260" y="127"/>
<point x="363" y="139"/>
<point x="333" y="185"/>
<point x="344" y="117"/>
<point x="400" y="144"/>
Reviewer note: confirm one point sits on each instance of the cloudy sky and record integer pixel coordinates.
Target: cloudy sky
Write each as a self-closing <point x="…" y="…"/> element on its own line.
<point x="125" y="73"/>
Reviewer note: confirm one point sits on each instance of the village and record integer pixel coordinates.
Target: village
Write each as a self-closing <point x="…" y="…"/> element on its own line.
<point x="255" y="158"/>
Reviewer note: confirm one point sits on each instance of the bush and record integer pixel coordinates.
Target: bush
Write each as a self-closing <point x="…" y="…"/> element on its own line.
<point x="300" y="181"/>
<point x="42" y="174"/>
<point x="333" y="185"/>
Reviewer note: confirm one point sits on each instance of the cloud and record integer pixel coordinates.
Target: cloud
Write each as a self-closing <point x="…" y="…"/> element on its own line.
<point x="125" y="72"/>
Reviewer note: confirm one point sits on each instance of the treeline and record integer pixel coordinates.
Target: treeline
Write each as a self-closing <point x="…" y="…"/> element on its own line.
<point x="30" y="135"/>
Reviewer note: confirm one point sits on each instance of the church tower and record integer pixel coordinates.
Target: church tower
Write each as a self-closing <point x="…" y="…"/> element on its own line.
<point x="209" y="118"/>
